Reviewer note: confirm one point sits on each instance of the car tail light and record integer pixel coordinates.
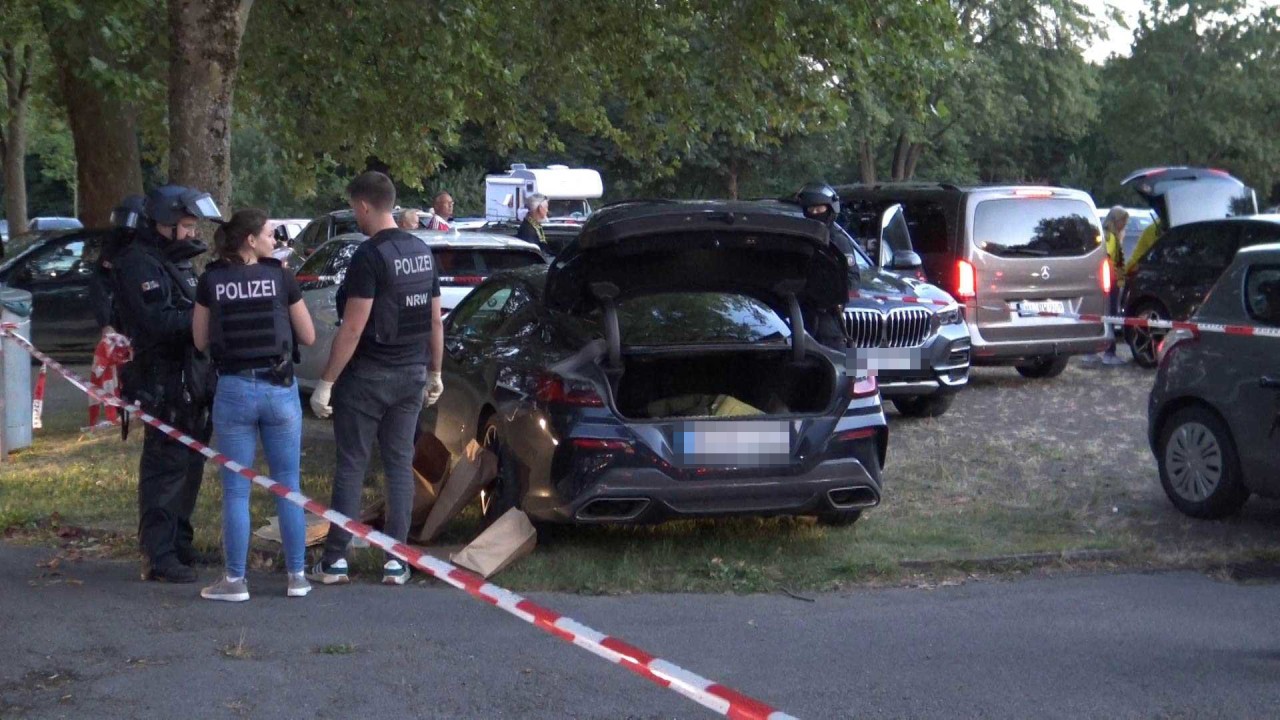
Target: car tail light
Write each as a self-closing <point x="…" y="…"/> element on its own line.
<point x="306" y="278"/>
<point x="966" y="280"/>
<point x="1104" y="275"/>
<point x="863" y="387"/>
<point x="851" y="435"/>
<point x="555" y="390"/>
<point x="1172" y="338"/>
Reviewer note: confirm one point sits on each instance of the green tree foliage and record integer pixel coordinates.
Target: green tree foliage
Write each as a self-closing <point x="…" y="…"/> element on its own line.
<point x="1198" y="89"/>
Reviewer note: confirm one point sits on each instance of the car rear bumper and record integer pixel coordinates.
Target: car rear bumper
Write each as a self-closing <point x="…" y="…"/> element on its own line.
<point x="1047" y="337"/>
<point x="627" y="495"/>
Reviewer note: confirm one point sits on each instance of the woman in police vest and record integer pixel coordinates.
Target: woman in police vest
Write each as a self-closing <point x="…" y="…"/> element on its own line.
<point x="248" y="315"/>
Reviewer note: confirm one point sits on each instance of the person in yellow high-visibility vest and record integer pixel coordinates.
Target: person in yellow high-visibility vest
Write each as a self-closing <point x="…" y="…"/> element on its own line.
<point x="1145" y="242"/>
<point x="1113" y="232"/>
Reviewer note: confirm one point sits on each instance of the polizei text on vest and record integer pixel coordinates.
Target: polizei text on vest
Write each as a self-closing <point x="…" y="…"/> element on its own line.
<point x="244" y="290"/>
<point x="413" y="265"/>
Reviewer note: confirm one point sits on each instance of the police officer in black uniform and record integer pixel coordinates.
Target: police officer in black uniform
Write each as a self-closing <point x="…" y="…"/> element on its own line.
<point x="821" y="202"/>
<point x="390" y="333"/>
<point x="154" y="296"/>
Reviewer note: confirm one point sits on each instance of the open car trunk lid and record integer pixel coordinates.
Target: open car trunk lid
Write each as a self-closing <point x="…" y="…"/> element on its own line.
<point x="1181" y="195"/>
<point x="639" y="249"/>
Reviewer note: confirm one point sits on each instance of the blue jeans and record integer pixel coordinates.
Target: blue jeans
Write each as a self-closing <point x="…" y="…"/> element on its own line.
<point x="242" y="408"/>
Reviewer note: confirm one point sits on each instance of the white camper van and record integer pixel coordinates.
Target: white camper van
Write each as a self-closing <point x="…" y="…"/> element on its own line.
<point x="569" y="191"/>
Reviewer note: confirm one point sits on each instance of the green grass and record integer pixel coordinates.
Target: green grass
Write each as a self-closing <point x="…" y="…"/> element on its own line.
<point x="336" y="649"/>
<point x="1016" y="468"/>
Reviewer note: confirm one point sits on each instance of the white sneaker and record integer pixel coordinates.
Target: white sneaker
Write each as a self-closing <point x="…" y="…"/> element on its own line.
<point x="227" y="590"/>
<point x="298" y="585"/>
<point x="395" y="573"/>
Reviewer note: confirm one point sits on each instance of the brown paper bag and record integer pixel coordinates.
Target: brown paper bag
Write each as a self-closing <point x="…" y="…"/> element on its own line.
<point x="476" y="468"/>
<point x="507" y="540"/>
<point x="430" y="465"/>
<point x="317" y="530"/>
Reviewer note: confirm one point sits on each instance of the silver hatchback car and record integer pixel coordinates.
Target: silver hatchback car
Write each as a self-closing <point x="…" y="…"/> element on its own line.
<point x="1213" y="418"/>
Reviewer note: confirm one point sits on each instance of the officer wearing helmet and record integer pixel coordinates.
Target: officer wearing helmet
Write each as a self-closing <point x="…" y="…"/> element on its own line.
<point x="155" y="290"/>
<point x="821" y="202"/>
<point x="125" y="221"/>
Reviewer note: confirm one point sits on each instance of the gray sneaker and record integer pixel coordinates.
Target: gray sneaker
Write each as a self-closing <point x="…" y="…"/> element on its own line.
<point x="298" y="585"/>
<point x="1113" y="359"/>
<point x="227" y="590"/>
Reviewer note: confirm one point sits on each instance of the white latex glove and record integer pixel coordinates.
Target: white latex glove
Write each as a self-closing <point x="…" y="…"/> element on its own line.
<point x="320" y="399"/>
<point x="435" y="386"/>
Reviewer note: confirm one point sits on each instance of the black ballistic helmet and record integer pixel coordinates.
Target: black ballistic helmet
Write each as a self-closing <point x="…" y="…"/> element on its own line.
<point x="813" y="196"/>
<point x="168" y="204"/>
<point x="130" y="213"/>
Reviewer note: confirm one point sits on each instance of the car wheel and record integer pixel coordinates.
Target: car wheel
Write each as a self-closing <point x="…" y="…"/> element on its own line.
<point x="1043" y="368"/>
<point x="1199" y="468"/>
<point x="924" y="406"/>
<point x="1143" y="341"/>
<point x="503" y="493"/>
<point x="869" y="455"/>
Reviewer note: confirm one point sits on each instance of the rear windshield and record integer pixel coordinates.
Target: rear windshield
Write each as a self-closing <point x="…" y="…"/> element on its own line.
<point x="480" y="263"/>
<point x="1040" y="227"/>
<point x="566" y="208"/>
<point x="692" y="318"/>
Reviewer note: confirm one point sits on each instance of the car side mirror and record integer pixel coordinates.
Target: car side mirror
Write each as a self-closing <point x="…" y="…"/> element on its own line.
<point x="905" y="260"/>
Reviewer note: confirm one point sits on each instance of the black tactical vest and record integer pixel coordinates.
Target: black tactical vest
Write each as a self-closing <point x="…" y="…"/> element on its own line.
<point x="249" y="314"/>
<point x="401" y="312"/>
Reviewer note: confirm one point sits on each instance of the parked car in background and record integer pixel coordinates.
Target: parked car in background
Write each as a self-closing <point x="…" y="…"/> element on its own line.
<point x="1213" y="415"/>
<point x="56" y="267"/>
<point x="1174" y="277"/>
<point x="1182" y="196"/>
<point x="45" y="224"/>
<point x="652" y="372"/>
<point x="1139" y="220"/>
<point x="929" y="343"/>
<point x="327" y="227"/>
<point x="1005" y="252"/>
<point x="462" y="260"/>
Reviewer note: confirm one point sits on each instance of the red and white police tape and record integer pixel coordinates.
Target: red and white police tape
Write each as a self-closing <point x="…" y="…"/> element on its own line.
<point x="1133" y="322"/>
<point x="713" y="696"/>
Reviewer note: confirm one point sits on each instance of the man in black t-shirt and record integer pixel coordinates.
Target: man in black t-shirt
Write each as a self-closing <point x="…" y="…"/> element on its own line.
<point x="377" y="376"/>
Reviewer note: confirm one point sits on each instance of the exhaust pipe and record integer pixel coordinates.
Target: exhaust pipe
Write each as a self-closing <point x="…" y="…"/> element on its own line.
<point x="849" y="498"/>
<point x="613" y="509"/>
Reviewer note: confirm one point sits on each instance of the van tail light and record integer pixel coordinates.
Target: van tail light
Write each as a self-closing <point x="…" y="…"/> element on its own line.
<point x="1104" y="276"/>
<point x="1174" y="337"/>
<point x="966" y="280"/>
<point x="551" y="389"/>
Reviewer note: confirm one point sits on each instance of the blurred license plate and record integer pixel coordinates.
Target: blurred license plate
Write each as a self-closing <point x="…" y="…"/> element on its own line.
<point x="1056" y="307"/>
<point x="734" y="443"/>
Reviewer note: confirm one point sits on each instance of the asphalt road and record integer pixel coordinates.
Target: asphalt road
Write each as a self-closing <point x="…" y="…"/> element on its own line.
<point x="89" y="640"/>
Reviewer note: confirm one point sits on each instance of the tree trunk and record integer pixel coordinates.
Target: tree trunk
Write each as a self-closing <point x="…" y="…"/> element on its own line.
<point x="913" y="157"/>
<point x="16" y="70"/>
<point x="900" y="157"/>
<point x="103" y="129"/>
<point x="732" y="172"/>
<point x="867" y="163"/>
<point x="204" y="58"/>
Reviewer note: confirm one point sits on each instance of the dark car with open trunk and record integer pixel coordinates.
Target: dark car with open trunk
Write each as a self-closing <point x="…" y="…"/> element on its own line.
<point x="661" y="368"/>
